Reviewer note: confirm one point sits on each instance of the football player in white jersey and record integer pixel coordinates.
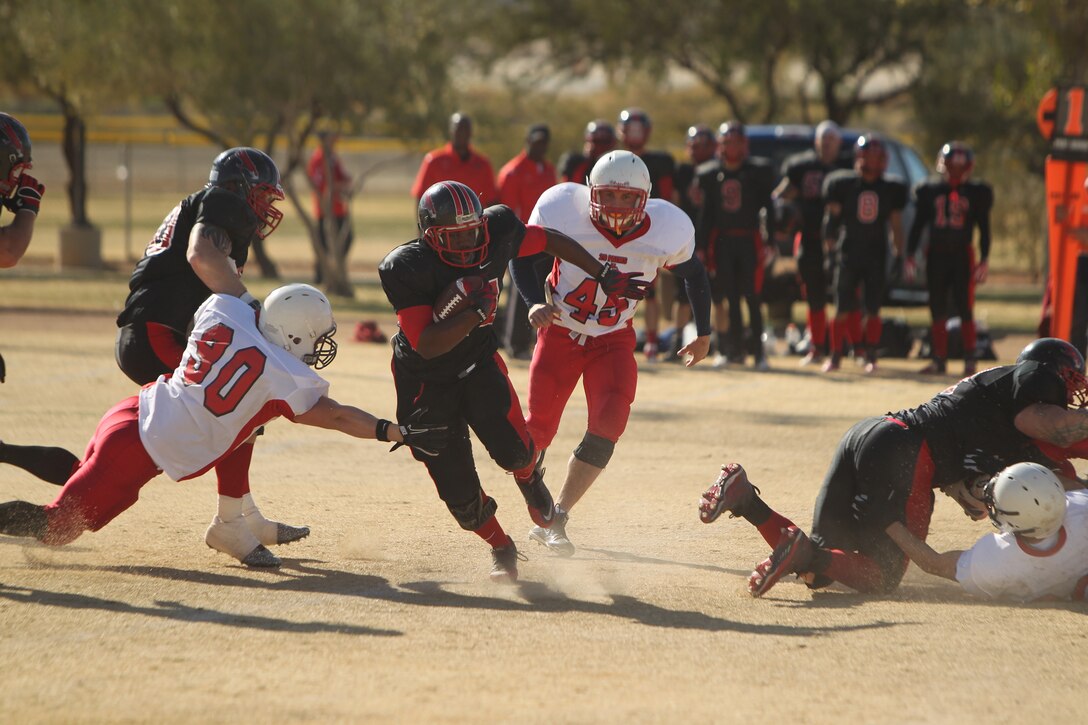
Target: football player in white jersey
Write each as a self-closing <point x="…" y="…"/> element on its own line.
<point x="235" y="375"/>
<point x="1040" y="552"/>
<point x="582" y="333"/>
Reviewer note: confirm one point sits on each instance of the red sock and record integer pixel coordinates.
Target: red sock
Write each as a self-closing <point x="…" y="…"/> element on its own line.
<point x="773" y="528"/>
<point x="232" y="473"/>
<point x="854" y="570"/>
<point x="938" y="333"/>
<point x="854" y="327"/>
<point x="492" y="533"/>
<point x="651" y="337"/>
<point x="817" y="326"/>
<point x="969" y="339"/>
<point x="872" y="332"/>
<point x="837" y="335"/>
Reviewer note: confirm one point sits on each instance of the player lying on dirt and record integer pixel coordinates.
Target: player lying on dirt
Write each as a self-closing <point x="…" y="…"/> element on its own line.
<point x="236" y="374"/>
<point x="885" y="469"/>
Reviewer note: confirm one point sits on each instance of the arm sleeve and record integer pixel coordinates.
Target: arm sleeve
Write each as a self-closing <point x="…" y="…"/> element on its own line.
<point x="923" y="210"/>
<point x="413" y="321"/>
<point x="697" y="286"/>
<point x="534" y="241"/>
<point x="523" y="270"/>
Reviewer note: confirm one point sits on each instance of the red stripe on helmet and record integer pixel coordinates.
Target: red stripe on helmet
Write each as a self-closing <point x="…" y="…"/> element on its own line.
<point x="248" y="162"/>
<point x="13" y="137"/>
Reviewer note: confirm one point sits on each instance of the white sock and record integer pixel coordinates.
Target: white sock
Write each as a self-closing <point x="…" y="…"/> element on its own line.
<point x="230" y="508"/>
<point x="249" y="506"/>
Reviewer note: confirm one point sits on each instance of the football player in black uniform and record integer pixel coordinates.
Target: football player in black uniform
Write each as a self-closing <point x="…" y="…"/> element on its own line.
<point x="737" y="194"/>
<point x="885" y="469"/>
<point x="950" y="207"/>
<point x="599" y="140"/>
<point x="802" y="183"/>
<point x="201" y="248"/>
<point x="448" y="371"/>
<point x="20" y="192"/>
<point x="634" y="129"/>
<point x="860" y="207"/>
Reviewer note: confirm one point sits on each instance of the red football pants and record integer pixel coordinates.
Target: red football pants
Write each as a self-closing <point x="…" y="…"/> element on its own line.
<point x="107" y="481"/>
<point x="606" y="365"/>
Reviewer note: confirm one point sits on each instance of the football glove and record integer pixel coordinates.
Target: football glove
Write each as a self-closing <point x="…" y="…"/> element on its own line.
<point x="485" y="300"/>
<point x="615" y="283"/>
<point x="28" y="197"/>
<point x="427" y="438"/>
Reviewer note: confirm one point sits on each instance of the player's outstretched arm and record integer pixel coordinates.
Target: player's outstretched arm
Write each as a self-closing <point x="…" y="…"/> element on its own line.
<point x="922" y="554"/>
<point x="327" y="413"/>
<point x="559" y="245"/>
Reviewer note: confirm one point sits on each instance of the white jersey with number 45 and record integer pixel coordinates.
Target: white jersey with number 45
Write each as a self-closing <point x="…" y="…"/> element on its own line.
<point x="999" y="566"/>
<point x="231" y="380"/>
<point x="665" y="239"/>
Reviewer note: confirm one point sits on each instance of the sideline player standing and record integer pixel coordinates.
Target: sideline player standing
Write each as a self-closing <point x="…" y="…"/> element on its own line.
<point x="583" y="332"/>
<point x="803" y="177"/>
<point x="885" y="469"/>
<point x="600" y="138"/>
<point x="448" y="371"/>
<point x="1039" y="552"/>
<point x="860" y="207"/>
<point x="236" y="375"/>
<point x="736" y="192"/>
<point x="201" y="248"/>
<point x="950" y="207"/>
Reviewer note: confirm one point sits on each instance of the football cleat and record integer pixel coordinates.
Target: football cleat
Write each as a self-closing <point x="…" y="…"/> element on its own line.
<point x="538" y="499"/>
<point x="832" y="363"/>
<point x="792" y="555"/>
<point x="504" y="562"/>
<point x="813" y="357"/>
<point x="935" y="367"/>
<point x="235" y="538"/>
<point x="731" y="492"/>
<point x="273" y="533"/>
<point x="555" y="536"/>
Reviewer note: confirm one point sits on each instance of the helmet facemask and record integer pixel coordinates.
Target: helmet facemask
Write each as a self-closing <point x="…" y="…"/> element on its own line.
<point x="261" y="199"/>
<point x="617" y="218"/>
<point x="452" y="250"/>
<point x="324" y="351"/>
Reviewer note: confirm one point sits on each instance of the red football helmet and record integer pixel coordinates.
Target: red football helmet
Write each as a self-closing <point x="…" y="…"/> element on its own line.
<point x="447" y="210"/>
<point x="251" y="174"/>
<point x="870" y="156"/>
<point x="955" y="161"/>
<point x="14" y="153"/>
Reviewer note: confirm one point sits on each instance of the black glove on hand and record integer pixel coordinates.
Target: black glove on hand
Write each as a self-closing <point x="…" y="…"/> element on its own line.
<point x="28" y="197"/>
<point x="615" y="283"/>
<point x="485" y="300"/>
<point x="427" y="438"/>
<point x="859" y="507"/>
<point x="981" y="462"/>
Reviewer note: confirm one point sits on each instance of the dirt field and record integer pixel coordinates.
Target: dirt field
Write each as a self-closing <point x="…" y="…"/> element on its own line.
<point x="386" y="614"/>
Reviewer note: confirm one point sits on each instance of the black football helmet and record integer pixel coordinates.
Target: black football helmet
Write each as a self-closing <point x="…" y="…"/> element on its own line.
<point x="252" y="175"/>
<point x="870" y="156"/>
<point x="14" y="153"/>
<point x="446" y="210"/>
<point x="1064" y="358"/>
<point x="955" y="161"/>
<point x="600" y="138"/>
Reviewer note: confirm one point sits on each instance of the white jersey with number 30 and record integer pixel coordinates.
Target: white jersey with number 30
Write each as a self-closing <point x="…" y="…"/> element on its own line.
<point x="231" y="380"/>
<point x="666" y="238"/>
<point x="999" y="566"/>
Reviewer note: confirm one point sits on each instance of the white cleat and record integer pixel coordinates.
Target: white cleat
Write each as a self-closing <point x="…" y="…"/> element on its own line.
<point x="235" y="539"/>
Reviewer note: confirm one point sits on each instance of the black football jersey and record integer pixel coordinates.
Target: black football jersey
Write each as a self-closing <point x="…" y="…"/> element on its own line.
<point x="975" y="418"/>
<point x="685" y="175"/>
<point x="806" y="173"/>
<point x="413" y="275"/>
<point x="866" y="208"/>
<point x="164" y="288"/>
<point x="733" y="199"/>
<point x="661" y="166"/>
<point x="951" y="214"/>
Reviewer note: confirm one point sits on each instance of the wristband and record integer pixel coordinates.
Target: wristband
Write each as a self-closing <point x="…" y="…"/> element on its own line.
<point x="381" y="430"/>
<point x="250" y="300"/>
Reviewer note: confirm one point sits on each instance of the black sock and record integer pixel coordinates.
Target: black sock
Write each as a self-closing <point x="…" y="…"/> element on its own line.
<point x="48" y="463"/>
<point x="20" y="518"/>
<point x="756" y="512"/>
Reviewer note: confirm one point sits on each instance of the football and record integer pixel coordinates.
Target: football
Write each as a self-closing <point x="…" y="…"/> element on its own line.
<point x="455" y="298"/>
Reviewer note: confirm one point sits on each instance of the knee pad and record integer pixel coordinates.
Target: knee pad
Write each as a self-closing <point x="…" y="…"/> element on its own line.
<point x="472" y="514"/>
<point x="594" y="450"/>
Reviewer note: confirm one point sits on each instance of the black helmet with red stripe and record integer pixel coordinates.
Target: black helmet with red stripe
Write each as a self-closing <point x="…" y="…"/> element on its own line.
<point x="1063" y="358"/>
<point x="870" y="156"/>
<point x="452" y="222"/>
<point x="252" y="175"/>
<point x="14" y="153"/>
<point x="955" y="161"/>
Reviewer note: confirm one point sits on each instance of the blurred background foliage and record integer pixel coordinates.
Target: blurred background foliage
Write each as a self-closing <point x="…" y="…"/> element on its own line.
<point x="387" y="74"/>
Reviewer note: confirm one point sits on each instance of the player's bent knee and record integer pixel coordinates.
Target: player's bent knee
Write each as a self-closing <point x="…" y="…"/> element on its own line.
<point x="474" y="513"/>
<point x="595" y="450"/>
<point x="516" y="460"/>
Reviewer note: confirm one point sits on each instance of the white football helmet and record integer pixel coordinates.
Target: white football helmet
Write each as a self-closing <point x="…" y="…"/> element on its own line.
<point x="1027" y="498"/>
<point x="620" y="171"/>
<point x="298" y="318"/>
